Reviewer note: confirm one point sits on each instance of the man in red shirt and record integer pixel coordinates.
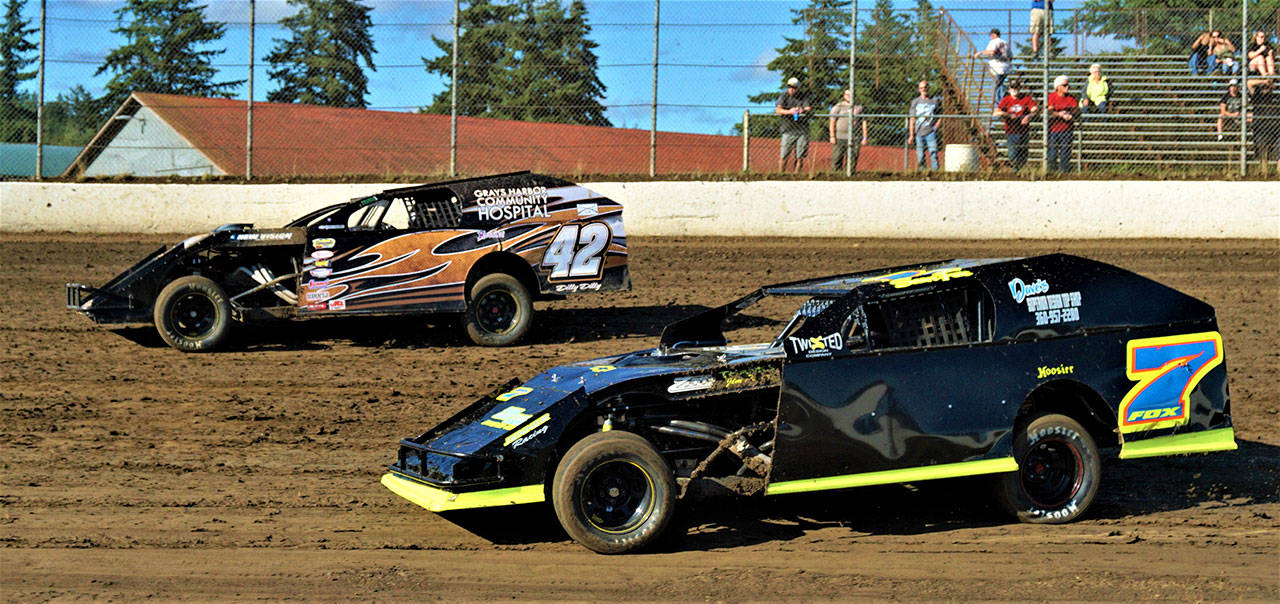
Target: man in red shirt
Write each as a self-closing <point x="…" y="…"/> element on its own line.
<point x="1061" y="109"/>
<point x="1017" y="110"/>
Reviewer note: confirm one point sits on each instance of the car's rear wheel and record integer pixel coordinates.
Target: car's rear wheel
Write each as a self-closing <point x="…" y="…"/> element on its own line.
<point x="499" y="310"/>
<point x="613" y="492"/>
<point x="1058" y="471"/>
<point x="192" y="314"/>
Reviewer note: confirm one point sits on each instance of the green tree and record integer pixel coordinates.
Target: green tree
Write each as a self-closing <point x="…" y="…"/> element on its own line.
<point x="1170" y="26"/>
<point x="819" y="59"/>
<point x="73" y="117"/>
<point x="162" y="51"/>
<point x="893" y="55"/>
<point x="320" y="62"/>
<point x="17" y="110"/>
<point x="530" y="60"/>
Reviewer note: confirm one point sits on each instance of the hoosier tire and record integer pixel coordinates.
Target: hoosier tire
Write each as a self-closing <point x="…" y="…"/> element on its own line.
<point x="613" y="492"/>
<point x="499" y="311"/>
<point x="1058" y="471"/>
<point x="192" y="314"/>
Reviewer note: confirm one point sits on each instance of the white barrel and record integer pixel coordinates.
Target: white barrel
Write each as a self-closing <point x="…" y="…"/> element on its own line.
<point x="960" y="158"/>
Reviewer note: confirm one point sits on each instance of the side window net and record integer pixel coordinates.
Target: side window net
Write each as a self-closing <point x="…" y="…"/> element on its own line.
<point x="945" y="318"/>
<point x="436" y="209"/>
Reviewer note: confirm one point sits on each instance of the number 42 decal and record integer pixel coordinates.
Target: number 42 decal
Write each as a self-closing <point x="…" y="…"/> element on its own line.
<point x="1167" y="369"/>
<point x="577" y="251"/>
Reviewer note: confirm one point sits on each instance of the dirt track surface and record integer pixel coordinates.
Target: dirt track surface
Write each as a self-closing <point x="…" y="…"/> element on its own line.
<point x="130" y="470"/>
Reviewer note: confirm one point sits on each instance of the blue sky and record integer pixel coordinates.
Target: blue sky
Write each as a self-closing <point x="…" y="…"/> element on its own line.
<point x="712" y="53"/>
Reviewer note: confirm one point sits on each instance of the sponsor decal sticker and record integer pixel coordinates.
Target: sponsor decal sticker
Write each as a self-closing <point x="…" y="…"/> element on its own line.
<point x="587" y="210"/>
<point x="321" y="273"/>
<point x="313" y="284"/>
<point x="749" y="377"/>
<point x="262" y="237"/>
<point x="323" y="244"/>
<point x="323" y="263"/>
<point x="1020" y="289"/>
<point x="337" y="305"/>
<point x="322" y="254"/>
<point x="578" y="287"/>
<point x="331" y="227"/>
<point x="602" y="368"/>
<point x="1045" y="371"/>
<point x="508" y="418"/>
<point x="1055" y="308"/>
<point x="520" y="391"/>
<point x="317" y="296"/>
<point x="691" y="384"/>
<point x="817" y="346"/>
<point x="494" y="234"/>
<point x="516" y="203"/>
<point x="521" y="436"/>
<point x="920" y="277"/>
<point x="1167" y="370"/>
<point x="317" y="306"/>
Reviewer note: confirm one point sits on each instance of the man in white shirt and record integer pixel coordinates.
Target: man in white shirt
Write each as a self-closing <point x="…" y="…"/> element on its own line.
<point x="998" y="63"/>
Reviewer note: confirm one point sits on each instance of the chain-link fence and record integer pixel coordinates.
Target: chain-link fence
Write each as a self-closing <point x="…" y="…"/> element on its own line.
<point x="325" y="88"/>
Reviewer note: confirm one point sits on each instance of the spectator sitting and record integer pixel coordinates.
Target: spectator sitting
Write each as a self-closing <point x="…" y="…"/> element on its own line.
<point x="1224" y="54"/>
<point x="997" y="52"/>
<point x="1097" y="91"/>
<point x="1229" y="108"/>
<point x="1199" y="61"/>
<point x="1261" y="57"/>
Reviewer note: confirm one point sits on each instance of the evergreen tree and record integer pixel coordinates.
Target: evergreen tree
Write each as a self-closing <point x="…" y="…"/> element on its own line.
<point x="320" y="62"/>
<point x="1170" y="26"/>
<point x="528" y="60"/>
<point x="17" y="111"/>
<point x="162" y="51"/>
<point x="73" y="117"/>
<point x="891" y="60"/>
<point x="819" y="59"/>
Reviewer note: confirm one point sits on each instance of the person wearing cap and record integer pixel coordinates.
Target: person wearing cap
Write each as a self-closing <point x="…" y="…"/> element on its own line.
<point x="1097" y="91"/>
<point x="922" y="125"/>
<point x="844" y="128"/>
<point x="794" y="109"/>
<point x="1061" y="109"/>
<point x="1229" y="107"/>
<point x="997" y="53"/>
<point x="1017" y="109"/>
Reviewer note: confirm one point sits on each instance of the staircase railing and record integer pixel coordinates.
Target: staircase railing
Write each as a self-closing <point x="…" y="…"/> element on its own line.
<point x="968" y="79"/>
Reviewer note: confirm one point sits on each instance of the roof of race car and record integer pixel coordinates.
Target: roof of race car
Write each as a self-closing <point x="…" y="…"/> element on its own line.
<point x="837" y="285"/>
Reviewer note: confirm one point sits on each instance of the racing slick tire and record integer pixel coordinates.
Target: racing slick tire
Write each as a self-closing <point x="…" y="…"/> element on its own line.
<point x="613" y="492"/>
<point x="499" y="311"/>
<point x="1058" y="471"/>
<point x="192" y="314"/>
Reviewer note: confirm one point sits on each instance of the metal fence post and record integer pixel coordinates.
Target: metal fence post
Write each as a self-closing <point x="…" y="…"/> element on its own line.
<point x="1046" y="45"/>
<point x="746" y="141"/>
<point x="1244" y="90"/>
<point x="853" y="47"/>
<point x="453" y="98"/>
<point x="653" y="105"/>
<point x="248" y="128"/>
<point x="40" y="102"/>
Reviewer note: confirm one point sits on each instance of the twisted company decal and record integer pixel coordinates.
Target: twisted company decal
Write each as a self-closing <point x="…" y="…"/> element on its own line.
<point x="1167" y="370"/>
<point x="817" y="346"/>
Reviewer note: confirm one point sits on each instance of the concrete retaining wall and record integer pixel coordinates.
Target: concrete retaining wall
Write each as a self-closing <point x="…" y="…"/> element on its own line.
<point x="989" y="209"/>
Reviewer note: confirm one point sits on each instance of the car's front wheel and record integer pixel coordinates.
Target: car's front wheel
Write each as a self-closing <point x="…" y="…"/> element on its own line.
<point x="192" y="314"/>
<point x="499" y="310"/>
<point x="1058" y="471"/>
<point x="613" y="492"/>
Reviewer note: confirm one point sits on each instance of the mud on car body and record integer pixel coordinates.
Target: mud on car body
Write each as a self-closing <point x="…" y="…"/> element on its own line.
<point x="1020" y="368"/>
<point x="482" y="247"/>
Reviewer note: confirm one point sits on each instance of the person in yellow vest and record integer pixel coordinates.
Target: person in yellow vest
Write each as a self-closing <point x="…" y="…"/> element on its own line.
<point x="1097" y="91"/>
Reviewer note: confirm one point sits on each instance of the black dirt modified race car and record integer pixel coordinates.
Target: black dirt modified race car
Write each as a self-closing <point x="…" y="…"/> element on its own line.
<point x="483" y="247"/>
<point x="1019" y="368"/>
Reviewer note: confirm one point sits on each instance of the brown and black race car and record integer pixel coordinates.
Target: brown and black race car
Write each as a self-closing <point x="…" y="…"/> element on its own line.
<point x="483" y="247"/>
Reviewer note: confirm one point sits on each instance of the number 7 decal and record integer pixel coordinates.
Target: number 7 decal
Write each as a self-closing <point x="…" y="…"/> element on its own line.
<point x="1167" y="369"/>
<point x="568" y="261"/>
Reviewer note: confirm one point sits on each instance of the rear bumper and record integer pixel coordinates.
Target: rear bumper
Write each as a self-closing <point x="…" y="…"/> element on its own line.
<point x="440" y="500"/>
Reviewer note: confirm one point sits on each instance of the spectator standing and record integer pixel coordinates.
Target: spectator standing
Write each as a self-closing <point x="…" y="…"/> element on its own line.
<point x="922" y="125"/>
<point x="997" y="55"/>
<point x="1266" y="125"/>
<point x="1039" y="19"/>
<point x="1097" y="91"/>
<point x="1199" y="61"/>
<point x="1062" y="109"/>
<point x="848" y="132"/>
<point x="793" y="106"/>
<point x="1017" y="109"/>
<point x="1229" y="107"/>
<point x="1224" y="54"/>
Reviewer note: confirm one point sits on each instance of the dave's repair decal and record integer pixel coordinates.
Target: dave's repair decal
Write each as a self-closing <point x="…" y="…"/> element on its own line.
<point x="512" y="204"/>
<point x="323" y="244"/>
<point x="1167" y="370"/>
<point x="519" y="436"/>
<point x="1020" y="289"/>
<point x="817" y="346"/>
<point x="1049" y="309"/>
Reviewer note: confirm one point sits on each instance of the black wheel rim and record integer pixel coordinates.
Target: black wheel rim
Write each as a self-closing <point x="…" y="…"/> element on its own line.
<point x="496" y="311"/>
<point x="193" y="315"/>
<point x="1051" y="473"/>
<point x="617" y="496"/>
